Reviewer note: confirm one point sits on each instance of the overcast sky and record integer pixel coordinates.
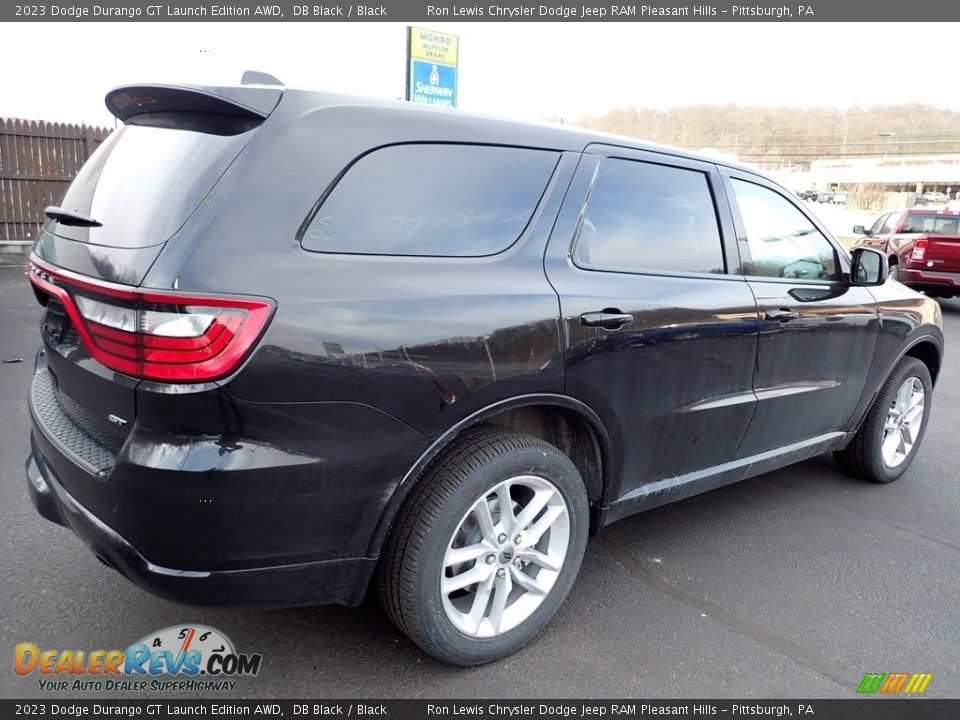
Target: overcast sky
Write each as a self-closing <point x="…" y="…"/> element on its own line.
<point x="61" y="71"/>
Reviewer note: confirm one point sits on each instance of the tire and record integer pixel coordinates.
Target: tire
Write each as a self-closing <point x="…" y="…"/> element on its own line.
<point x="442" y="515"/>
<point x="866" y="455"/>
<point x="894" y="272"/>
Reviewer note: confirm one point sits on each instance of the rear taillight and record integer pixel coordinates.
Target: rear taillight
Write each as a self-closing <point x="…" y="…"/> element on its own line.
<point x="919" y="249"/>
<point x="155" y="335"/>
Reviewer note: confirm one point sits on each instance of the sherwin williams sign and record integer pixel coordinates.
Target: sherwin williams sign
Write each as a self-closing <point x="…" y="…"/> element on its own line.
<point x="432" y="67"/>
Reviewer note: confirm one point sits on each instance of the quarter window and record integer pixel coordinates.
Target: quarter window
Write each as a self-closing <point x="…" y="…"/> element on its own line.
<point x="783" y="242"/>
<point x="646" y="217"/>
<point x="431" y="199"/>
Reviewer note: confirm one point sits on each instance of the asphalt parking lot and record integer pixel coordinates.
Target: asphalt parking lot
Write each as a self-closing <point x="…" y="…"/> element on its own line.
<point x="793" y="584"/>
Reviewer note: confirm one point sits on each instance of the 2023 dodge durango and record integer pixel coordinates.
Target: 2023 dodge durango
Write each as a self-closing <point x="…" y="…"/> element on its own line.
<point x="297" y="345"/>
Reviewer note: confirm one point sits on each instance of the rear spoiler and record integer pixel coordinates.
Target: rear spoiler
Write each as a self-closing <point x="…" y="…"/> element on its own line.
<point x="248" y="103"/>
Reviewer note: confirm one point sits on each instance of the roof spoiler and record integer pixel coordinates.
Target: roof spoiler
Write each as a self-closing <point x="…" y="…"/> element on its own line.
<point x="250" y="103"/>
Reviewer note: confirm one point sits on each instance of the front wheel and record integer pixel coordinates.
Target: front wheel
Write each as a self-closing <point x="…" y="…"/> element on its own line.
<point x="890" y="436"/>
<point x="486" y="548"/>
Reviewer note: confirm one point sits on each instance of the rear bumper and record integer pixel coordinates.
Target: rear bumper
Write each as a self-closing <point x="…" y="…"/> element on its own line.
<point x="276" y="511"/>
<point x="930" y="279"/>
<point x="342" y="581"/>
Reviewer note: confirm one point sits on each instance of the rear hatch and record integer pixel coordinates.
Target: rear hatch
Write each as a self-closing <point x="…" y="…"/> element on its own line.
<point x="132" y="197"/>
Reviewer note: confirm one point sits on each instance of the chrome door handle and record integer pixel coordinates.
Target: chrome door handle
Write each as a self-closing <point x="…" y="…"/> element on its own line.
<point x="781" y="314"/>
<point x="607" y="320"/>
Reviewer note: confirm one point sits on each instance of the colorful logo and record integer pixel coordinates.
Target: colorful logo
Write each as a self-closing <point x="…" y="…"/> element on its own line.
<point x="182" y="651"/>
<point x="893" y="683"/>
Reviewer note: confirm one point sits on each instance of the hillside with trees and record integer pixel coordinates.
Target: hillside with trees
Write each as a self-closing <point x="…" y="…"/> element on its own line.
<point x="782" y="136"/>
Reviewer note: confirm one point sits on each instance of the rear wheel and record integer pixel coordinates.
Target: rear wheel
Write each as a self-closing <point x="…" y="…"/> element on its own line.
<point x="486" y="548"/>
<point x="887" y="442"/>
<point x="894" y="272"/>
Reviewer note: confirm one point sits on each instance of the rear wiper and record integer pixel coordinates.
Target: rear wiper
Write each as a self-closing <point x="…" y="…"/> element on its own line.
<point x="69" y="217"/>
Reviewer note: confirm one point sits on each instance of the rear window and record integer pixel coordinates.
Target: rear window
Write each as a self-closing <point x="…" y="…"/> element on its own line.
<point x="431" y="199"/>
<point x="143" y="183"/>
<point x="933" y="224"/>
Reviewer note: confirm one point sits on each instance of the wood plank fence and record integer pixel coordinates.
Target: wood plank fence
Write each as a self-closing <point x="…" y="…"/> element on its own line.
<point x="37" y="162"/>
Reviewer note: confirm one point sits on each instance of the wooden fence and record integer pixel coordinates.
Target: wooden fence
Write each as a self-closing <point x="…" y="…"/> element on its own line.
<point x="37" y="162"/>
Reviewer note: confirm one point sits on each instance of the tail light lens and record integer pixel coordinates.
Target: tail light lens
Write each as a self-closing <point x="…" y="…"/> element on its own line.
<point x="919" y="249"/>
<point x="155" y="335"/>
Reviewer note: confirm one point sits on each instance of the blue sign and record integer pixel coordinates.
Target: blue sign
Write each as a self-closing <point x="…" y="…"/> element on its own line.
<point x="433" y="83"/>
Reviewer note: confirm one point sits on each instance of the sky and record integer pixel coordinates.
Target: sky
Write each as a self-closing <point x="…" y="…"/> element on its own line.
<point x="61" y="71"/>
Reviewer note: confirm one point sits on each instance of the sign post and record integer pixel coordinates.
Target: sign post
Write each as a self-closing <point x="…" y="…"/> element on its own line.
<point x="432" y="67"/>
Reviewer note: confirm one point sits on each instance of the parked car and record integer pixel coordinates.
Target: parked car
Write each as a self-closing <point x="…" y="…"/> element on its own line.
<point x="839" y="198"/>
<point x="922" y="248"/>
<point x="931" y="198"/>
<point x="808" y="195"/>
<point x="328" y="343"/>
<point x="825" y="196"/>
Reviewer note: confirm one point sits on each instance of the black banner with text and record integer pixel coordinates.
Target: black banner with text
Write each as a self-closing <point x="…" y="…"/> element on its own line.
<point x="854" y="709"/>
<point x="471" y="11"/>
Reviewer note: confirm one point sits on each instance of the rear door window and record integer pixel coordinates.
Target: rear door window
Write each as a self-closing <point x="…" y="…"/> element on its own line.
<point x="647" y="217"/>
<point x="432" y="199"/>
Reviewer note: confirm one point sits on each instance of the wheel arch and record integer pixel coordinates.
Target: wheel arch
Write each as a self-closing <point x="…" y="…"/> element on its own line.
<point x="564" y="422"/>
<point x="928" y="352"/>
<point x="926" y="347"/>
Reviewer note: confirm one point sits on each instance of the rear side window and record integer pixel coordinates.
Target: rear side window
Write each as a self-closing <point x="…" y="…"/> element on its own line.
<point x="440" y="200"/>
<point x="642" y="216"/>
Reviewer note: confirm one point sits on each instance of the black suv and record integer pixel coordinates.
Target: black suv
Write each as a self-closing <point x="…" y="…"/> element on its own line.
<point x="296" y="344"/>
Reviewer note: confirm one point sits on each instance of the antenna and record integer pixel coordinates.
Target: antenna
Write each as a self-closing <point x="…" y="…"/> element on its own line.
<point x="255" y="77"/>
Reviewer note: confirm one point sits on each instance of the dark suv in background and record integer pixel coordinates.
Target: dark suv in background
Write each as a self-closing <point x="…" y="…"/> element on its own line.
<point x="297" y="343"/>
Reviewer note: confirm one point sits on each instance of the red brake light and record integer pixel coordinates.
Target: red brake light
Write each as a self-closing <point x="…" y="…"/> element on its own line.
<point x="157" y="335"/>
<point x="919" y="249"/>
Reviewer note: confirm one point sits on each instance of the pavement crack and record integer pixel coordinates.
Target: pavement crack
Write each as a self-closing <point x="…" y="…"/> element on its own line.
<point x="834" y="503"/>
<point x="757" y="633"/>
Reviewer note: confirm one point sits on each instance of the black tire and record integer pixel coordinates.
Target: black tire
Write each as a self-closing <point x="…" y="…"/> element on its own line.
<point x="863" y="457"/>
<point x="894" y="272"/>
<point x="412" y="561"/>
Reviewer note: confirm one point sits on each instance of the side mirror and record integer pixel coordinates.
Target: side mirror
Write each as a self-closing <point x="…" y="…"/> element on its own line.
<point x="859" y="230"/>
<point x="868" y="267"/>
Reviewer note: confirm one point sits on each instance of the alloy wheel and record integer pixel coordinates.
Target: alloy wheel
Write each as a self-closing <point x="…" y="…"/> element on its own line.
<point x="505" y="556"/>
<point x="903" y="423"/>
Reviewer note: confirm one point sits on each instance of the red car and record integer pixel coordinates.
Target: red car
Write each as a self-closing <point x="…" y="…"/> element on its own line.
<point x="923" y="248"/>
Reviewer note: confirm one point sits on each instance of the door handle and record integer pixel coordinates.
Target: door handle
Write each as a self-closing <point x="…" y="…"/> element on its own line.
<point x="608" y="319"/>
<point x="781" y="314"/>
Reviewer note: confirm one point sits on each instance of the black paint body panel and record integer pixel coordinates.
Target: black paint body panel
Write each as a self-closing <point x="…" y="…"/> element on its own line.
<point x="277" y="484"/>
